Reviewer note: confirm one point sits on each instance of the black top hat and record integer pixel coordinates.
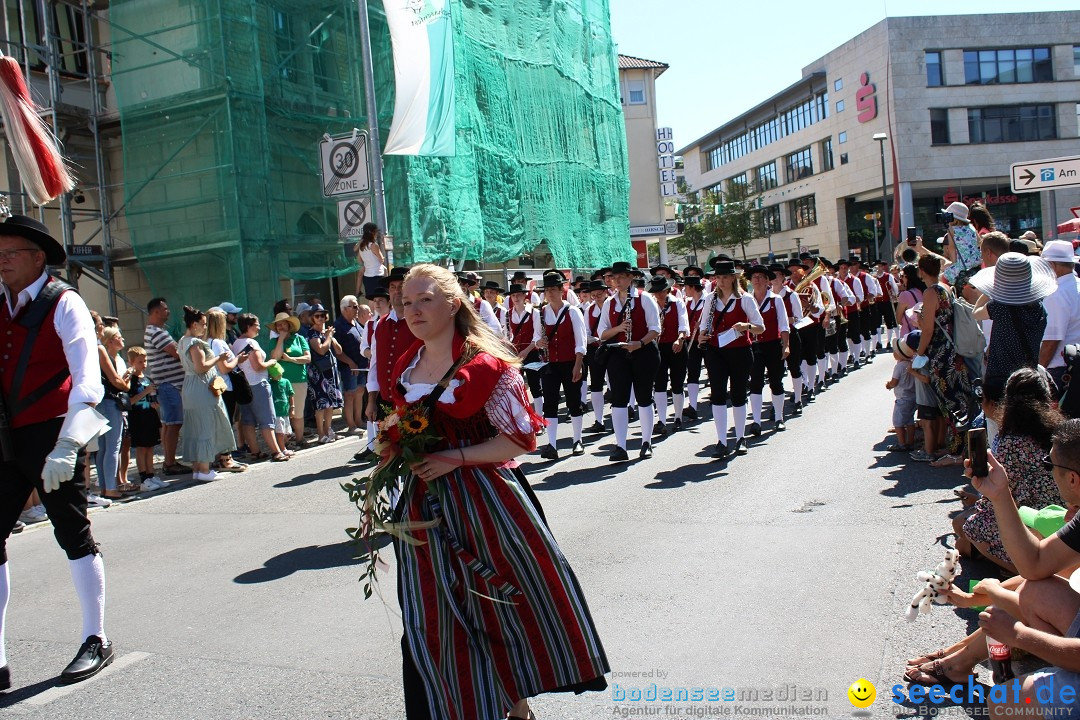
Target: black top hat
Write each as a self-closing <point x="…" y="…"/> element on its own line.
<point x="380" y="291"/>
<point x="755" y="269"/>
<point x="492" y="285"/>
<point x="595" y="285"/>
<point x="659" y="283"/>
<point x="778" y="268"/>
<point x="516" y="288"/>
<point x="32" y="230"/>
<point x="692" y="268"/>
<point x="795" y="262"/>
<point x="520" y="275"/>
<point x="397" y="274"/>
<point x="722" y="267"/>
<point x="553" y="280"/>
<point x="622" y="267"/>
<point x="693" y="281"/>
<point x="661" y="266"/>
<point x="469" y="278"/>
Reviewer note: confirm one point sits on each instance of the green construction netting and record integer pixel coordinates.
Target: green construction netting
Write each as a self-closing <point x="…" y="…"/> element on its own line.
<point x="223" y="103"/>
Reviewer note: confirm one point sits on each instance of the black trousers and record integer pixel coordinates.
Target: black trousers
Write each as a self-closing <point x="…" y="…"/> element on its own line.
<point x="694" y="358"/>
<point x="728" y="365"/>
<point x="838" y="340"/>
<point x="808" y="343"/>
<point x="672" y="369"/>
<point x="597" y="371"/>
<point x="868" y="322"/>
<point x="555" y="376"/>
<point x="887" y="313"/>
<point x="853" y="329"/>
<point x="532" y="377"/>
<point x="768" y="359"/>
<point x="795" y="359"/>
<point x="633" y="369"/>
<point x="822" y="341"/>
<point x="66" y="506"/>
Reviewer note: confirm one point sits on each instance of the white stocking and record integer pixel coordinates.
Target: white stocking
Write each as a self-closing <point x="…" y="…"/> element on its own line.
<point x="88" y="573"/>
<point x="552" y="431"/>
<point x="719" y="418"/>
<point x="577" y="422"/>
<point x="620" y="419"/>
<point x="5" y="593"/>
<point x="778" y="408"/>
<point x="598" y="407"/>
<point x="797" y="383"/>
<point x="661" y="406"/>
<point x="693" y="389"/>
<point x="647" y="418"/>
<point x="679" y="400"/>
<point x="755" y="407"/>
<point x="739" y="413"/>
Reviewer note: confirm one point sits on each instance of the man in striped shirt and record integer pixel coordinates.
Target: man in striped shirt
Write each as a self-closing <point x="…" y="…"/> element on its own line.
<point x="164" y="370"/>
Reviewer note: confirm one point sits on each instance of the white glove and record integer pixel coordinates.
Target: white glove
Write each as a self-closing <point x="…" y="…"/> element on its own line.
<point x="60" y="464"/>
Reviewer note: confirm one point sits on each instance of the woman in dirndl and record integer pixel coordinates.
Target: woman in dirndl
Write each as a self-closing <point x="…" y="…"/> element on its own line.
<point x="492" y="611"/>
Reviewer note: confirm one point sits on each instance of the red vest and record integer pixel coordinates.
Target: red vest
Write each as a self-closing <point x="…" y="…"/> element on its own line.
<point x="669" y="322"/>
<point x="722" y="321"/>
<point x="639" y="327"/>
<point x="848" y="309"/>
<point x="47" y="361"/>
<point x="788" y="298"/>
<point x="392" y="338"/>
<point x="772" y="322"/>
<point x="500" y="314"/>
<point x="694" y="316"/>
<point x="560" y="337"/>
<point x="521" y="335"/>
<point x="593" y="316"/>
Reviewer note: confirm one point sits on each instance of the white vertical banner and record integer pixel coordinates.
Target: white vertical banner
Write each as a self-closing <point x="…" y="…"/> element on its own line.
<point x="422" y="39"/>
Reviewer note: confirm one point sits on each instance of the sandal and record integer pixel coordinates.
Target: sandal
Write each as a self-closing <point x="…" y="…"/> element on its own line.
<point x="947" y="461"/>
<point x="280" y="457"/>
<point x="936" y="675"/>
<point x="930" y="657"/>
<point x="127" y="488"/>
<point x="895" y="447"/>
<point x="257" y="457"/>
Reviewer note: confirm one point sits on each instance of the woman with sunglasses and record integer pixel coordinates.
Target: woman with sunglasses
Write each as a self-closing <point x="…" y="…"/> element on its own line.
<point x="324" y="392"/>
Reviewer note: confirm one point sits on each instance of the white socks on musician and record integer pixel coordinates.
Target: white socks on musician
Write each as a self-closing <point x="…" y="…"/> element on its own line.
<point x="778" y="408"/>
<point x="584" y="393"/>
<point x="661" y="406"/>
<point x="5" y="593"/>
<point x="552" y="431"/>
<point x="739" y="414"/>
<point x="371" y="432"/>
<point x="633" y="397"/>
<point x="877" y="339"/>
<point x="647" y="418"/>
<point x="598" y="407"/>
<point x="693" y="389"/>
<point x="843" y="360"/>
<point x="755" y="407"/>
<point x="679" y="400"/>
<point x="577" y="422"/>
<point x="620" y="419"/>
<point x="88" y="574"/>
<point x="797" y="383"/>
<point x="822" y="369"/>
<point x="719" y="418"/>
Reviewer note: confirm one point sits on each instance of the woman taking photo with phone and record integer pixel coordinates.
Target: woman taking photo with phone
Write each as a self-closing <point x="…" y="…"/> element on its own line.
<point x="259" y="413"/>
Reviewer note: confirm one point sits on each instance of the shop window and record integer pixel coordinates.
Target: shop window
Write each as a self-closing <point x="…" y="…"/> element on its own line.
<point x="939" y="126"/>
<point x="935" y="73"/>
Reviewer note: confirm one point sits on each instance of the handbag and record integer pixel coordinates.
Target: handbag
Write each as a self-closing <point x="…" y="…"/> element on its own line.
<point x="240" y="386"/>
<point x="324" y="363"/>
<point x="217" y="386"/>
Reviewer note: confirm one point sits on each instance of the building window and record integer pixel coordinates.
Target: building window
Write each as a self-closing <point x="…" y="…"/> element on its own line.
<point x="1012" y="123"/>
<point x="843" y="158"/>
<point x="635" y="92"/>
<point x="803" y="212"/>
<point x="841" y="137"/>
<point x="766" y="177"/>
<point x="800" y="164"/>
<point x="1019" y="65"/>
<point x="826" y="155"/>
<point x="838" y="84"/>
<point x="739" y="179"/>
<point x="1076" y="61"/>
<point x="768" y="220"/>
<point x="791" y="121"/>
<point x="839" y="106"/>
<point x="939" y="126"/>
<point x="935" y="74"/>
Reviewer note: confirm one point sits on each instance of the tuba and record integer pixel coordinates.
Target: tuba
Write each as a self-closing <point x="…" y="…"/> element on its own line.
<point x="805" y="288"/>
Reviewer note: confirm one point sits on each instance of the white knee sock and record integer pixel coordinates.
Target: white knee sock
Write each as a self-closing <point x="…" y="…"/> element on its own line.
<point x="620" y="419"/>
<point x="577" y="423"/>
<point x="797" y="383"/>
<point x="843" y="360"/>
<point x="371" y="433"/>
<point x="88" y="574"/>
<point x="778" y="408"/>
<point x="678" y="399"/>
<point x="552" y="431"/>
<point x="647" y="418"/>
<point x="739" y="413"/>
<point x="5" y="593"/>
<point x="719" y="418"/>
<point x="822" y="370"/>
<point x="877" y="338"/>
<point x="755" y="407"/>
<point x="661" y="406"/>
<point x="693" y="389"/>
<point x="584" y="393"/>
<point x="598" y="407"/>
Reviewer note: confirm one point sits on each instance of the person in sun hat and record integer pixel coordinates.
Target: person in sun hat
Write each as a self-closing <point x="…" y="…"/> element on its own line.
<point x="1062" y="309"/>
<point x="960" y="246"/>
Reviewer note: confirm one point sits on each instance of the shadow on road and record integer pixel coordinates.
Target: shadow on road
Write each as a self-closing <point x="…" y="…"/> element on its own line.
<point x="327" y="474"/>
<point x="311" y="557"/>
<point x="16" y="696"/>
<point x="913" y="477"/>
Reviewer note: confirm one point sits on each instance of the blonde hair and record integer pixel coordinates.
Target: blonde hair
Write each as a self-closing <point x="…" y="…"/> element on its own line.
<point x="215" y="324"/>
<point x="134" y="352"/>
<point x="109" y="333"/>
<point x="467" y="321"/>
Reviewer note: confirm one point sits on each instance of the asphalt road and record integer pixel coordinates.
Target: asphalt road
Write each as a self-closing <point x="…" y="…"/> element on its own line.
<point x="791" y="566"/>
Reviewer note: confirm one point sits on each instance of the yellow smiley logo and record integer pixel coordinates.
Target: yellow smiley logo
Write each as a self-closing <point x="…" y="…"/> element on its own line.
<point x="862" y="693"/>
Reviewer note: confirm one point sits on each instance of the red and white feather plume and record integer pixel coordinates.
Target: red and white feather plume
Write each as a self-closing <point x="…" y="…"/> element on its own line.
<point x="33" y="145"/>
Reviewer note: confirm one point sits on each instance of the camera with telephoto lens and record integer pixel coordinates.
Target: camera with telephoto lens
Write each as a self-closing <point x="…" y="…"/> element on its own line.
<point x="945" y="218"/>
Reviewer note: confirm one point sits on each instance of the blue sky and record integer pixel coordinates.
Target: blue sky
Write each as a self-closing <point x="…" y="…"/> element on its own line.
<point x="727" y="55"/>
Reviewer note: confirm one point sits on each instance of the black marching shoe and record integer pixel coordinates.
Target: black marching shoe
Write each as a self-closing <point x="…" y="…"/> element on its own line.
<point x="659" y="430"/>
<point x="721" y="451"/>
<point x="797" y="409"/>
<point x="645" y="452"/>
<point x="579" y="449"/>
<point x="690" y="413"/>
<point x="93" y="657"/>
<point x="740" y="446"/>
<point x="676" y="425"/>
<point x="619" y="455"/>
<point x="754" y="429"/>
<point x="780" y="426"/>
<point x="5" y="678"/>
<point x="632" y="413"/>
<point x="595" y="429"/>
<point x="549" y="453"/>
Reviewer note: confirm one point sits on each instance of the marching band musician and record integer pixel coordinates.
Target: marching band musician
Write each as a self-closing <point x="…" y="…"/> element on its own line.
<point x="793" y="308"/>
<point x="631" y="322"/>
<point x="490" y="292"/>
<point x="812" y="356"/>
<point x="853" y="313"/>
<point x="674" y="329"/>
<point x="771" y="349"/>
<point x="842" y="299"/>
<point x="468" y="282"/>
<point x="380" y="303"/>
<point x="867" y="318"/>
<point x="729" y="318"/>
<point x="886" y="302"/>
<point x="695" y="302"/>
<point x="392" y="337"/>
<point x="597" y="372"/>
<point x="520" y="331"/>
<point x="559" y="332"/>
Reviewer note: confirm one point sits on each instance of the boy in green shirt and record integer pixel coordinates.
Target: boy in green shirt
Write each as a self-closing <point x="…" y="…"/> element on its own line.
<point x="282" y="392"/>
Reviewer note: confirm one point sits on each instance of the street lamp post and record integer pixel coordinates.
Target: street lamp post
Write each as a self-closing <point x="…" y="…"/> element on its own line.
<point x="881" y="138"/>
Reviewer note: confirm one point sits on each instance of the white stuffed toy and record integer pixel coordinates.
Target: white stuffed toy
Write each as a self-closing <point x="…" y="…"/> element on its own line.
<point x="936" y="585"/>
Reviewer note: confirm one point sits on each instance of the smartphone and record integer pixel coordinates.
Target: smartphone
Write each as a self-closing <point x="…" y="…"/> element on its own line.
<point x="911" y="234"/>
<point x="976" y="438"/>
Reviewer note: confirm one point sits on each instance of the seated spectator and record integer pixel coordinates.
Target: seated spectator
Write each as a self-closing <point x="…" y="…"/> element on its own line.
<point x="1028" y="419"/>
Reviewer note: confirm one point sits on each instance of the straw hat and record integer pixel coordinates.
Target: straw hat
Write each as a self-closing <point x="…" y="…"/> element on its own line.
<point x="1016" y="280"/>
<point x="294" y="322"/>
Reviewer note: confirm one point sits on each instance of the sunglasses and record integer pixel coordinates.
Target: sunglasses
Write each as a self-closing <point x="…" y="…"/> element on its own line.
<point x="320" y="315"/>
<point x="1049" y="464"/>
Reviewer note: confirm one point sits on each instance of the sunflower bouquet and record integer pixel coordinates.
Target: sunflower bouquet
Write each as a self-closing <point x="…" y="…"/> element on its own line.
<point x="403" y="437"/>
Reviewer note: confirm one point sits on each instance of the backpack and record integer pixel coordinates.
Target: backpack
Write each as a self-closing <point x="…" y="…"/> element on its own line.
<point x="968" y="339"/>
<point x="1070" y="396"/>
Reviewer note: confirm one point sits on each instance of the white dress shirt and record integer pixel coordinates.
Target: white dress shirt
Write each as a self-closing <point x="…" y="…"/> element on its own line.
<point x="680" y="310"/>
<point x="373" y="375"/>
<point x="577" y="320"/>
<point x="1062" y="317"/>
<point x="648" y="304"/>
<point x="781" y="309"/>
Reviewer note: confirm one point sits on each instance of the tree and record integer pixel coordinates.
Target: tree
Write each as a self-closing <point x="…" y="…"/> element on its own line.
<point x="738" y="220"/>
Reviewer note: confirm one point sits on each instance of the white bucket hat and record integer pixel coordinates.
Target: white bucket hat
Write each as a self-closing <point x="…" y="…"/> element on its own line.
<point x="959" y="210"/>
<point x="1059" y="251"/>
<point x="1016" y="280"/>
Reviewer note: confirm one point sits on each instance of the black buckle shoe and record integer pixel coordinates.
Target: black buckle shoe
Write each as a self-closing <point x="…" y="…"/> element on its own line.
<point x="549" y="453"/>
<point x="721" y="451"/>
<point x="595" y="429"/>
<point x="780" y="426"/>
<point x="740" y="446"/>
<point x="797" y="410"/>
<point x="659" y="430"/>
<point x="619" y="455"/>
<point x="645" y="452"/>
<point x="579" y="449"/>
<point x="690" y="413"/>
<point x="676" y="425"/>
<point x="754" y="429"/>
<point x="5" y="678"/>
<point x="93" y="657"/>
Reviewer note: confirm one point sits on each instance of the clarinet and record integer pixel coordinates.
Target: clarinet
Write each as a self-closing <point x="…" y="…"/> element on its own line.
<point x="628" y="316"/>
<point x="7" y="441"/>
<point x="707" y="321"/>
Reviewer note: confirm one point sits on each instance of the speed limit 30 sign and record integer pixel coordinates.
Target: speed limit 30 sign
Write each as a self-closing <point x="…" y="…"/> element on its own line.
<point x="344" y="162"/>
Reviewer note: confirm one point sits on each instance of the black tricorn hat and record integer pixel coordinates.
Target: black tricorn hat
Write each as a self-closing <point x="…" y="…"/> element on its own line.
<point x="32" y="230"/>
<point x="659" y="283"/>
